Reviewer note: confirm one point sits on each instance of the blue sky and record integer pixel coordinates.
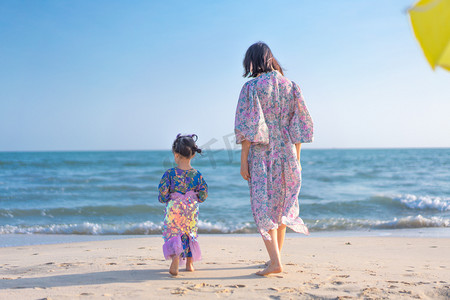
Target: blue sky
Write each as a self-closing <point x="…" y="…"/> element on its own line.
<point x="121" y="75"/>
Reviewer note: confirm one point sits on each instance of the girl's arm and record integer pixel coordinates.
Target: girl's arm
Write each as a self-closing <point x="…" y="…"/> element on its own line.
<point x="244" y="159"/>
<point x="202" y="190"/>
<point x="164" y="188"/>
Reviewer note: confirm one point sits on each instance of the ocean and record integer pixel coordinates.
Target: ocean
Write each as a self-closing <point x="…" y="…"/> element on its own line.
<point x="115" y="193"/>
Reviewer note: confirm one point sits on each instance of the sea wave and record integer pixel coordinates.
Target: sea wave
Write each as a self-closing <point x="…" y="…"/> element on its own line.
<point x="142" y="228"/>
<point x="85" y="228"/>
<point x="418" y="221"/>
<point x="422" y="202"/>
<point x="102" y="210"/>
<point x="148" y="227"/>
<point x="382" y="201"/>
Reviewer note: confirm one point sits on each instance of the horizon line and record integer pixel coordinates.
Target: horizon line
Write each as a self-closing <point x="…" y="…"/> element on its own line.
<point x="222" y="149"/>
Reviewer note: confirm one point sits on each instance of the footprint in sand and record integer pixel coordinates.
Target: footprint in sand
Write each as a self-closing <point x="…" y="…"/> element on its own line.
<point x="179" y="291"/>
<point x="86" y="294"/>
<point x="391" y="286"/>
<point x="223" y="291"/>
<point x="65" y="265"/>
<point x="237" y="286"/>
<point x="112" y="264"/>
<point x="206" y="287"/>
<point x="391" y="281"/>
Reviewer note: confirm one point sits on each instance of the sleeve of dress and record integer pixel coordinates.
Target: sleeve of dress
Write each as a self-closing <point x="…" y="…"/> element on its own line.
<point x="164" y="188"/>
<point x="202" y="190"/>
<point x="301" y="127"/>
<point x="249" y="121"/>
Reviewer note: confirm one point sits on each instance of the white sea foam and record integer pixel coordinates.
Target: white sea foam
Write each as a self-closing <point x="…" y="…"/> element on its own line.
<point x="422" y="202"/>
<point x="149" y="227"/>
<point x="209" y="227"/>
<point x="84" y="228"/>
<point x="414" y="222"/>
<point x="397" y="223"/>
<point x="142" y="228"/>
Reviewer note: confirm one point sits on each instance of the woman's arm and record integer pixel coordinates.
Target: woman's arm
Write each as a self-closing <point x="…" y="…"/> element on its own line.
<point x="298" y="147"/>
<point x="244" y="159"/>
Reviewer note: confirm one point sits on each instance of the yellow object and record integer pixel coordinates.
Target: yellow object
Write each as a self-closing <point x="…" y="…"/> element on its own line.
<point x="430" y="20"/>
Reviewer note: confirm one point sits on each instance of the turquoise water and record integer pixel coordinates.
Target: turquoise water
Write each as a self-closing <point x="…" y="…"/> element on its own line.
<point x="115" y="193"/>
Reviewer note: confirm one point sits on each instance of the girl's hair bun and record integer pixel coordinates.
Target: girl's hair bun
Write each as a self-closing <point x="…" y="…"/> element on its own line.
<point x="185" y="145"/>
<point x="197" y="150"/>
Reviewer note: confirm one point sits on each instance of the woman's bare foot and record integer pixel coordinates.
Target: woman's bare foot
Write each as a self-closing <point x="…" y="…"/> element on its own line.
<point x="269" y="270"/>
<point x="174" y="266"/>
<point x="189" y="265"/>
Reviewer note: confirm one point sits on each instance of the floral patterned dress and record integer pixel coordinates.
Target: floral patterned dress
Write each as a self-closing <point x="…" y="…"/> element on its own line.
<point x="181" y="191"/>
<point x="272" y="115"/>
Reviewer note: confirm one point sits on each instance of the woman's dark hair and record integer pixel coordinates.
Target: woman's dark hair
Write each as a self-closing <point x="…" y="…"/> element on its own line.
<point x="185" y="145"/>
<point x="259" y="59"/>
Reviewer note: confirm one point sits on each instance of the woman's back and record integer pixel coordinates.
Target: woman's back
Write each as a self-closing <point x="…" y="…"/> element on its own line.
<point x="279" y="99"/>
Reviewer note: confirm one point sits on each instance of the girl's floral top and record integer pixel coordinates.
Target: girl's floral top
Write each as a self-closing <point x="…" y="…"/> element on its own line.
<point x="181" y="181"/>
<point x="182" y="191"/>
<point x="272" y="115"/>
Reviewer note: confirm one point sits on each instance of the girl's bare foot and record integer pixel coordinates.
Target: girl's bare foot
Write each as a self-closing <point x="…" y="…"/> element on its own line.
<point x="174" y="266"/>
<point x="269" y="270"/>
<point x="189" y="265"/>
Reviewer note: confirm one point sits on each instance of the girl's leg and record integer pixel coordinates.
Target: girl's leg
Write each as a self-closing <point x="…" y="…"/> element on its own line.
<point x="274" y="254"/>
<point x="174" y="265"/>
<point x="190" y="264"/>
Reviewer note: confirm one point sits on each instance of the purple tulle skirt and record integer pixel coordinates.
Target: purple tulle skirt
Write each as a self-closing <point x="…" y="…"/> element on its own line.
<point x="174" y="247"/>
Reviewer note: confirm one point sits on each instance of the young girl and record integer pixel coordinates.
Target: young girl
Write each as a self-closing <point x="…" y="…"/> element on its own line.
<point x="182" y="189"/>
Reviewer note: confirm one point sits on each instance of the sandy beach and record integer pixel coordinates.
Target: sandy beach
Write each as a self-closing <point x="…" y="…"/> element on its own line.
<point x="315" y="268"/>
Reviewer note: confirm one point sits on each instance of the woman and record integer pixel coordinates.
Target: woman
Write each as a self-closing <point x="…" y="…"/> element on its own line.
<point x="271" y="123"/>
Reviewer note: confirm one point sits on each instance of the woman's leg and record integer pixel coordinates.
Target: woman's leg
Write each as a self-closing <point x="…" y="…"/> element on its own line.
<point x="281" y="232"/>
<point x="274" y="254"/>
